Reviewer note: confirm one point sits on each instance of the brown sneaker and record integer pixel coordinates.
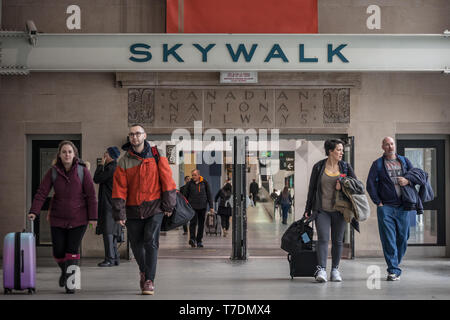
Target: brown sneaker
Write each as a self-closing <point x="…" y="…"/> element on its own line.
<point x="148" y="288"/>
<point x="142" y="281"/>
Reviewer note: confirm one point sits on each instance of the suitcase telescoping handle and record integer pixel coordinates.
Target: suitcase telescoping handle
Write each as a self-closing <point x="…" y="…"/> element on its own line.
<point x="29" y="226"/>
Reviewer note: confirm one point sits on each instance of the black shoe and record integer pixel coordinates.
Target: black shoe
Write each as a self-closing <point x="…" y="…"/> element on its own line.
<point x="192" y="243"/>
<point x="116" y="262"/>
<point x="62" y="277"/>
<point x="105" y="263"/>
<point x="200" y="245"/>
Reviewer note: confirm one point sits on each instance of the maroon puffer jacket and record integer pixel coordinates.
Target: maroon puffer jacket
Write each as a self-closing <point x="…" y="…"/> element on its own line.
<point x="73" y="204"/>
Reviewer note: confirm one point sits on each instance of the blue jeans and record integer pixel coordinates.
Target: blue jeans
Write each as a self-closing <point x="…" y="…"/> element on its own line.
<point x="285" y="210"/>
<point x="393" y="225"/>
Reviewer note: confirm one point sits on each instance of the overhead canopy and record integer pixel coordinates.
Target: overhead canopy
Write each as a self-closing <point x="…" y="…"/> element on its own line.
<point x="223" y="52"/>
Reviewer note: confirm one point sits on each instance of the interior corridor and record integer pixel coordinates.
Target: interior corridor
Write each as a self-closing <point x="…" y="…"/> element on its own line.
<point x="263" y="238"/>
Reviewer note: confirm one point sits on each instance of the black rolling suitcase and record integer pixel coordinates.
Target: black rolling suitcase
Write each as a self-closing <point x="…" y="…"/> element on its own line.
<point x="303" y="263"/>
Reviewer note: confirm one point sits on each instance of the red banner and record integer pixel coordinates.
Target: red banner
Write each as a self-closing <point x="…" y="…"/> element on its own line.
<point x="241" y="16"/>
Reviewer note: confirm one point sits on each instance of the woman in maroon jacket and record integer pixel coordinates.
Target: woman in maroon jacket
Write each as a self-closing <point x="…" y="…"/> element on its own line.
<point x="73" y="207"/>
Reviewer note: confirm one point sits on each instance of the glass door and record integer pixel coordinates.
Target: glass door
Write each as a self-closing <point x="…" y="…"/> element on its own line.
<point x="428" y="155"/>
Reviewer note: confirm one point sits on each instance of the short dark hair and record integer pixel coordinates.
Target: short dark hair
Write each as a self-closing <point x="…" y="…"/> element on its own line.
<point x="137" y="125"/>
<point x="330" y="145"/>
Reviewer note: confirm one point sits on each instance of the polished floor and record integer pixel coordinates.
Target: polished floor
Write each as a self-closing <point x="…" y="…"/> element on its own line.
<point x="186" y="273"/>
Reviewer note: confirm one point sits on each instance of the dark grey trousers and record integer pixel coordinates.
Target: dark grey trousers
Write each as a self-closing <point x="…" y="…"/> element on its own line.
<point x="324" y="222"/>
<point x="111" y="252"/>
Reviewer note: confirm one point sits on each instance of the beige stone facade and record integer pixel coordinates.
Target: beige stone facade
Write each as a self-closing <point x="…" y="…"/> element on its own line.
<point x="100" y="106"/>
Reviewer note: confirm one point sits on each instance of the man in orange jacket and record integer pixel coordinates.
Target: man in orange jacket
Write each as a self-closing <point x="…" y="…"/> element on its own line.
<point x="143" y="192"/>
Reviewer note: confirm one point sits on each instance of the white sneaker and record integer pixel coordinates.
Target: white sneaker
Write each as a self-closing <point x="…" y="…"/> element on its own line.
<point x="335" y="275"/>
<point x="321" y="275"/>
<point x="393" y="277"/>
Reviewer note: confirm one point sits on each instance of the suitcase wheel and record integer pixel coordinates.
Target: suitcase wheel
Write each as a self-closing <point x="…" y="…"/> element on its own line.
<point x="7" y="291"/>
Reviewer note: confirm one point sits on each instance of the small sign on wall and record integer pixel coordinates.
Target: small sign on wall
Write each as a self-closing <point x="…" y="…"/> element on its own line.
<point x="238" y="77"/>
<point x="170" y="152"/>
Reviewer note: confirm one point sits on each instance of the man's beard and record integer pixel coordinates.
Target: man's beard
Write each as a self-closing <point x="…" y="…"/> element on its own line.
<point x="138" y="145"/>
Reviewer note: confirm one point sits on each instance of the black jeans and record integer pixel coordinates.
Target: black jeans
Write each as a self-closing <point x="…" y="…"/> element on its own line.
<point x="66" y="241"/>
<point x="144" y="240"/>
<point x="225" y="221"/>
<point x="198" y="219"/>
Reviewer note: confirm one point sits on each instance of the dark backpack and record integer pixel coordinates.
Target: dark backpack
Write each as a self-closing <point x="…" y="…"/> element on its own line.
<point x="293" y="240"/>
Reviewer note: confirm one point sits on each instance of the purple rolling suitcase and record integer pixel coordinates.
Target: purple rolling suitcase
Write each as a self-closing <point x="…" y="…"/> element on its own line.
<point x="19" y="262"/>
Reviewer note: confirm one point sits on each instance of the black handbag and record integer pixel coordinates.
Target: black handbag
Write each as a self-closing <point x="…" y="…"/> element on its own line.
<point x="181" y="214"/>
<point x="297" y="237"/>
<point x="121" y="237"/>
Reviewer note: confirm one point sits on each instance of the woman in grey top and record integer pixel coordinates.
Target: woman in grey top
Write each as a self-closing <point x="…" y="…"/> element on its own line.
<point x="321" y="197"/>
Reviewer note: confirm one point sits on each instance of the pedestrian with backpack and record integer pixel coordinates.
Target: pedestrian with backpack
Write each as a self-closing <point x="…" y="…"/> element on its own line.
<point x="143" y="192"/>
<point x="323" y="184"/>
<point x="384" y="184"/>
<point x="285" y="201"/>
<point x="225" y="206"/>
<point x="73" y="207"/>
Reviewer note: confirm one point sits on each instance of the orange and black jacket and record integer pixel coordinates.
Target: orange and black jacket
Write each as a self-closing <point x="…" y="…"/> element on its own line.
<point x="199" y="194"/>
<point x="142" y="187"/>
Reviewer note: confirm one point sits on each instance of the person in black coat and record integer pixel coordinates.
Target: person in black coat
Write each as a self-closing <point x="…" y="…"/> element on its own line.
<point x="106" y="224"/>
<point x="198" y="193"/>
<point x="254" y="189"/>
<point x="224" y="207"/>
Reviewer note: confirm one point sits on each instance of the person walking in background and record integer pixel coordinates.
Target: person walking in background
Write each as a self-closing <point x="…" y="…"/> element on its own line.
<point x="285" y="201"/>
<point x="383" y="185"/>
<point x="73" y="207"/>
<point x="106" y="225"/>
<point x="198" y="193"/>
<point x="323" y="184"/>
<point x="183" y="192"/>
<point x="143" y="192"/>
<point x="254" y="189"/>
<point x="225" y="204"/>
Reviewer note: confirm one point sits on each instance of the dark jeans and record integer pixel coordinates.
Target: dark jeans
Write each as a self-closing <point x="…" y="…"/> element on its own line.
<point x="111" y="252"/>
<point x="393" y="225"/>
<point x="197" y="220"/>
<point x="324" y="222"/>
<point x="254" y="195"/>
<point x="67" y="241"/>
<point x="225" y="221"/>
<point x="285" y="209"/>
<point x="144" y="240"/>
